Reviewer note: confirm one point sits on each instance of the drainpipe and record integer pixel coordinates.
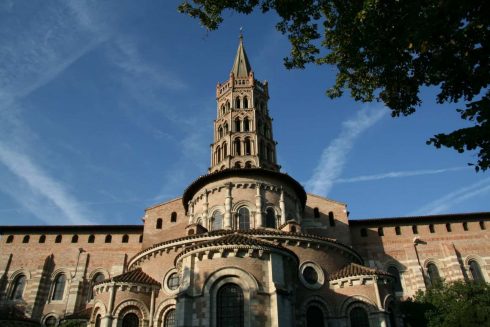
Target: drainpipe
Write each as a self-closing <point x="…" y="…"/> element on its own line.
<point x="417" y="241"/>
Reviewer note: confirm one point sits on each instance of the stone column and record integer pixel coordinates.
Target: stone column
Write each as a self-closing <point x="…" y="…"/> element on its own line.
<point x="107" y="320"/>
<point x="282" y="206"/>
<point x="152" y="306"/>
<point x="191" y="212"/>
<point x="205" y="207"/>
<point x="228" y="199"/>
<point x="259" y="217"/>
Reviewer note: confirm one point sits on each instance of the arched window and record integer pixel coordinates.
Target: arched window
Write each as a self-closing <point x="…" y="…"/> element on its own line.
<point x="246" y="124"/>
<point x="248" y="147"/>
<point x="397" y="286"/>
<point x="359" y="317"/>
<point x="97" y="321"/>
<point x="108" y="238"/>
<point x="225" y="150"/>
<point x="248" y="164"/>
<point x="130" y="320"/>
<point x="245" y="102"/>
<point x="42" y="238"/>
<point x="314" y="317"/>
<point x="225" y="128"/>
<point x="59" y="287"/>
<point x="169" y="320"/>
<point x="415" y="229"/>
<point x="243" y="218"/>
<point x="98" y="277"/>
<point x="141" y="238"/>
<point x="448" y="228"/>
<point x="316" y="213"/>
<point x="237" y="103"/>
<point x="159" y="223"/>
<point x="218" y="154"/>
<point x="91" y="238"/>
<point x="58" y="239"/>
<point x="398" y="230"/>
<point x="269" y="153"/>
<point x="465" y="226"/>
<point x="173" y="217"/>
<point x="433" y="273"/>
<point x="482" y="225"/>
<point x="26" y="239"/>
<point x="476" y="272"/>
<point x="227" y="106"/>
<point x="50" y="321"/>
<point x="229" y="309"/>
<point x="223" y="110"/>
<point x="10" y="239"/>
<point x="270" y="218"/>
<point x="431" y="228"/>
<point x="217" y="220"/>
<point x="125" y="238"/>
<point x="293" y="229"/>
<point x="237" y="146"/>
<point x="331" y="219"/>
<point x="238" y="164"/>
<point x="220" y="132"/>
<point x="237" y="124"/>
<point x="18" y="288"/>
<point x="74" y="238"/>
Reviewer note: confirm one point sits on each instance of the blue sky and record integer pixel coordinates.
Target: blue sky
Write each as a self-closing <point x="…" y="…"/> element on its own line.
<point x="106" y="108"/>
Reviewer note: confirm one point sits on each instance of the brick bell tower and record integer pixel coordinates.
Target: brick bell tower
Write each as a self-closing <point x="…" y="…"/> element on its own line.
<point x="243" y="128"/>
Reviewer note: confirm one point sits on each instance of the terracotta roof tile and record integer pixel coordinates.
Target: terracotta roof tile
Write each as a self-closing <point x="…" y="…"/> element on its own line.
<point x="136" y="276"/>
<point x="353" y="269"/>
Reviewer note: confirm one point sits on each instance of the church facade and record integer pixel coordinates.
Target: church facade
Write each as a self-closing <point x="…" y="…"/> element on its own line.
<point x="244" y="246"/>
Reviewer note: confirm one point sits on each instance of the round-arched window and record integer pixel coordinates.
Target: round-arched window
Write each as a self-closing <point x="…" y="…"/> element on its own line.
<point x="18" y="289"/>
<point x="230" y="306"/>
<point x="217" y="220"/>
<point x="476" y="272"/>
<point x="130" y="320"/>
<point x="169" y="320"/>
<point x="59" y="287"/>
<point x="270" y="218"/>
<point x="314" y="317"/>
<point x="243" y="218"/>
<point x="359" y="317"/>
<point x="98" y="277"/>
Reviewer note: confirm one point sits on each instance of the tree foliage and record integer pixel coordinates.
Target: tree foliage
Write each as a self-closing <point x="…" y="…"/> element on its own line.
<point x="387" y="50"/>
<point x="457" y="304"/>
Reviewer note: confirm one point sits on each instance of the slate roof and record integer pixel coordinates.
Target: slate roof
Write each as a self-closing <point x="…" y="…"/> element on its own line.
<point x="241" y="66"/>
<point x="136" y="276"/>
<point x="354" y="269"/>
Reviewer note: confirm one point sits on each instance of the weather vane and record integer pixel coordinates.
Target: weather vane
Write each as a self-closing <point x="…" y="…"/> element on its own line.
<point x="241" y="32"/>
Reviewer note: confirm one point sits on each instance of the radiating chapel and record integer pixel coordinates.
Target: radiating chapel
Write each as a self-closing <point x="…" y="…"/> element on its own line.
<point x="245" y="246"/>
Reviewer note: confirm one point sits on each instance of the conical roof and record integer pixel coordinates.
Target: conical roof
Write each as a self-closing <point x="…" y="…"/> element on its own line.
<point x="241" y="66"/>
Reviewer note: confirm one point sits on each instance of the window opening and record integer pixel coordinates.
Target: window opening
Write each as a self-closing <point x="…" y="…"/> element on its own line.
<point x="59" y="287"/>
<point x="243" y="218"/>
<point x="270" y="218"/>
<point x="229" y="306"/>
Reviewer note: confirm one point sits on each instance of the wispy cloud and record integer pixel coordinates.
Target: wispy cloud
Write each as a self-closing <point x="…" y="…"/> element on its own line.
<point x="34" y="52"/>
<point x="41" y="183"/>
<point x="334" y="156"/>
<point x="397" y="174"/>
<point x="446" y="202"/>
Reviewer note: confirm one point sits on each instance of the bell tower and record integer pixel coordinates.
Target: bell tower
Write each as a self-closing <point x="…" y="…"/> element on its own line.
<point x="243" y="128"/>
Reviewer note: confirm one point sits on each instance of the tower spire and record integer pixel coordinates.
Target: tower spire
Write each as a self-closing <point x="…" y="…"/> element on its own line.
<point x="241" y="66"/>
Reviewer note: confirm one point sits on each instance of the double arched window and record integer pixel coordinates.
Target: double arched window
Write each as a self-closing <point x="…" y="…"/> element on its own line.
<point x="59" y="287"/>
<point x="18" y="288"/>
<point x="359" y="317"/>
<point x="243" y="218"/>
<point x="229" y="310"/>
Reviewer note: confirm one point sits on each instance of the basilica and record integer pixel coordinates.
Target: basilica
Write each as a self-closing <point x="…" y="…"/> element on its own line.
<point x="244" y="246"/>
